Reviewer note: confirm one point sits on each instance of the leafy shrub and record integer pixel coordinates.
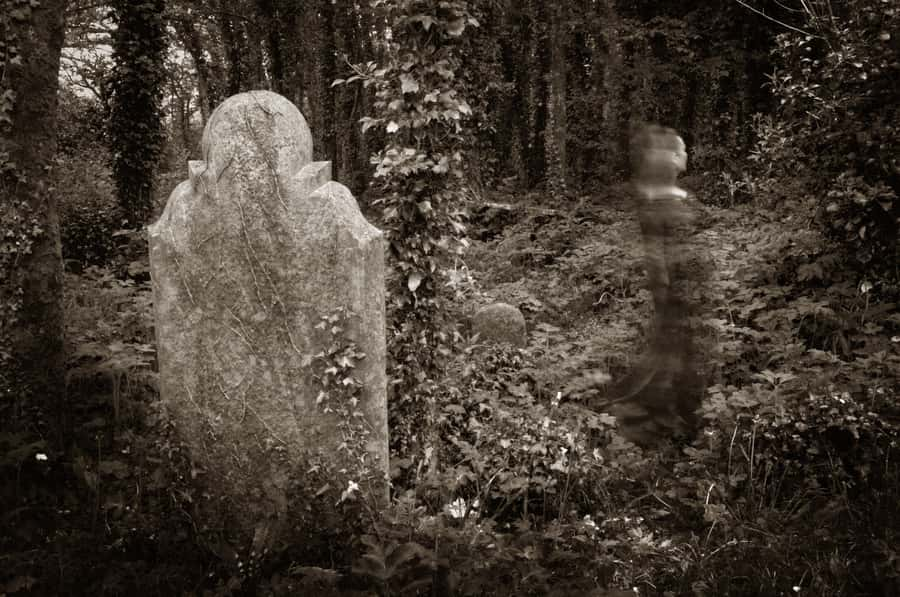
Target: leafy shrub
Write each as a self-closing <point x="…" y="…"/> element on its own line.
<point x="512" y="454"/>
<point x="777" y="459"/>
<point x="109" y="330"/>
<point x="88" y="212"/>
<point x="461" y="551"/>
<point x="87" y="206"/>
<point x="838" y="125"/>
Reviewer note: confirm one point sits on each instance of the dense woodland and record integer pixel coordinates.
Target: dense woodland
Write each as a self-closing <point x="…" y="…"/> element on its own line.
<point x="489" y="139"/>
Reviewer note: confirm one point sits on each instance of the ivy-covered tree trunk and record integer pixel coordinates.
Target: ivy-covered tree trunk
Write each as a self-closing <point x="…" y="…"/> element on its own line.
<point x="351" y="38"/>
<point x="555" y="133"/>
<point x="513" y="124"/>
<point x="135" y="125"/>
<point x="420" y="109"/>
<point x="532" y="87"/>
<point x="327" y="66"/>
<point x="31" y="312"/>
<point x="614" y="112"/>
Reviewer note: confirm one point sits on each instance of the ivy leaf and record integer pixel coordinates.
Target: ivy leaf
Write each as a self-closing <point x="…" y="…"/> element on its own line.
<point x="456" y="28"/>
<point x="442" y="167"/>
<point x="368" y="122"/>
<point x="408" y="84"/>
<point x="414" y="281"/>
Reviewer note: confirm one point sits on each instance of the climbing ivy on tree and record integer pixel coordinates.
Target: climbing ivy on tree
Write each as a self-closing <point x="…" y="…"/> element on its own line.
<point x="135" y="121"/>
<point x="31" y="329"/>
<point x="420" y="110"/>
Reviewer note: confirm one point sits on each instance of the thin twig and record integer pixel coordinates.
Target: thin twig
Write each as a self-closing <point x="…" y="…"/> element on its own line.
<point x="774" y="20"/>
<point x="266" y="425"/>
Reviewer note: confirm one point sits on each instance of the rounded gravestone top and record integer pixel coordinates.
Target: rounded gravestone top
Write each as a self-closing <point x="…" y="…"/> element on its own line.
<point x="500" y="323"/>
<point x="260" y="123"/>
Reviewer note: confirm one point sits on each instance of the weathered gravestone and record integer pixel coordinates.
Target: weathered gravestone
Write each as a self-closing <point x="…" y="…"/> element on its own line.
<point x="500" y="323"/>
<point x="251" y="252"/>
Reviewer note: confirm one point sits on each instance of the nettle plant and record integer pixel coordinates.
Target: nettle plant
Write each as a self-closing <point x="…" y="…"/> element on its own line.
<point x="419" y="178"/>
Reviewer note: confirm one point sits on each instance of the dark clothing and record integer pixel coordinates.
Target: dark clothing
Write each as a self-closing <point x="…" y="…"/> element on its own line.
<point x="666" y="384"/>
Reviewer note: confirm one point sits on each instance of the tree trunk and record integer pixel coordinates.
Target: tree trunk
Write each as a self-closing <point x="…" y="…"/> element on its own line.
<point x="531" y="85"/>
<point x="190" y="39"/>
<point x="345" y="97"/>
<point x="292" y="45"/>
<point x="555" y="131"/>
<point x="231" y="40"/>
<point x="327" y="72"/>
<point x="32" y="355"/>
<point x="270" y="19"/>
<point x="139" y="47"/>
<point x="512" y="113"/>
<point x="184" y="120"/>
<point x="253" y="55"/>
<point x="615" y="122"/>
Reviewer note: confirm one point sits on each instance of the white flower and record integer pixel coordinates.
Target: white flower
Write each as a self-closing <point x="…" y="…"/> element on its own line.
<point x="41" y="457"/>
<point x="457" y="508"/>
<point x="352" y="487"/>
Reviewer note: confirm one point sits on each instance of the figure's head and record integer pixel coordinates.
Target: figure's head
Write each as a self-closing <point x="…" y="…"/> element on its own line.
<point x="658" y="155"/>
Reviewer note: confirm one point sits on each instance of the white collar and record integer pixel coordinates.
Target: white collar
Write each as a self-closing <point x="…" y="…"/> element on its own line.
<point x="657" y="191"/>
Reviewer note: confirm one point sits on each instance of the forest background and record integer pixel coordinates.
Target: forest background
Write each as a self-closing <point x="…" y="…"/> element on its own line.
<point x="521" y="112"/>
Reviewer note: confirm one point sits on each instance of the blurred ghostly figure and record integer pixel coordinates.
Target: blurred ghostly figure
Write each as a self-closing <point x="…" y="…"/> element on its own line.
<point x="662" y="393"/>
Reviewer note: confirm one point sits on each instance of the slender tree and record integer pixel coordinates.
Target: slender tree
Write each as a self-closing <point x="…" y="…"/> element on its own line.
<point x="555" y="132"/>
<point x="187" y="22"/>
<point x="31" y="314"/>
<point x="420" y="109"/>
<point x="135" y="121"/>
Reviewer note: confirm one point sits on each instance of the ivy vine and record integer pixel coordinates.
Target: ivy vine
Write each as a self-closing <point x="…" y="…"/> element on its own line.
<point x="339" y="394"/>
<point x="20" y="229"/>
<point x="135" y="122"/>
<point x="420" y="109"/>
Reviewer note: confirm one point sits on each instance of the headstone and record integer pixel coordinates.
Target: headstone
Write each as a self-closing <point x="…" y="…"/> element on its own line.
<point x="249" y="256"/>
<point x="500" y="323"/>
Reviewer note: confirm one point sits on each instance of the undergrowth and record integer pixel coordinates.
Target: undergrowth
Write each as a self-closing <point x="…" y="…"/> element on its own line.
<point x="791" y="486"/>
